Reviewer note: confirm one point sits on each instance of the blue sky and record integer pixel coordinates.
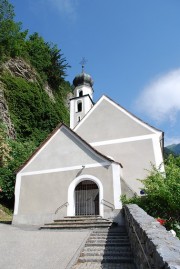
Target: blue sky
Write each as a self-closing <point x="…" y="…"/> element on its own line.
<point x="132" y="48"/>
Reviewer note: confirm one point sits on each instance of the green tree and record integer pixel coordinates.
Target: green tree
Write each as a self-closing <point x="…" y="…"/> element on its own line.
<point x="12" y="39"/>
<point x="47" y="59"/>
<point x="20" y="152"/>
<point x="6" y="11"/>
<point x="39" y="54"/>
<point x="56" y="71"/>
<point x="32" y="111"/>
<point x="162" y="193"/>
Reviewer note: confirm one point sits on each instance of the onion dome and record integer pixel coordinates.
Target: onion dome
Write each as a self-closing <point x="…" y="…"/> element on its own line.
<point x="83" y="79"/>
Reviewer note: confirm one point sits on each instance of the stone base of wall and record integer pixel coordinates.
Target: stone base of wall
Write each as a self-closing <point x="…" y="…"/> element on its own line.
<point x="152" y="245"/>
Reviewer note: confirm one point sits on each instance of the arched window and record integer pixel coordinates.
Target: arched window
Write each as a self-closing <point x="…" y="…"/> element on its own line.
<point x="79" y="106"/>
<point x="80" y="93"/>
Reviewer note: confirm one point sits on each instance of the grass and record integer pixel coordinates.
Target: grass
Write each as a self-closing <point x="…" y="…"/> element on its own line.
<point x="5" y="214"/>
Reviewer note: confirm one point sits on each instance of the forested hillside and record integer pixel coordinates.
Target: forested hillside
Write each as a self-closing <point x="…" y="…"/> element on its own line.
<point x="33" y="95"/>
<point x="175" y="148"/>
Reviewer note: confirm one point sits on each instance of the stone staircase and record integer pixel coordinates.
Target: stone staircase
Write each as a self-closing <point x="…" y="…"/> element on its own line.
<point x="79" y="222"/>
<point x="107" y="249"/>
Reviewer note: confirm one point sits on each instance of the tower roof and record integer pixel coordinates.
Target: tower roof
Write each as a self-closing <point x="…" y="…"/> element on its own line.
<point x="83" y="79"/>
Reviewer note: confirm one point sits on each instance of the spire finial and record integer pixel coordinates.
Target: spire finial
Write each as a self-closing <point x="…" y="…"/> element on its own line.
<point x="82" y="63"/>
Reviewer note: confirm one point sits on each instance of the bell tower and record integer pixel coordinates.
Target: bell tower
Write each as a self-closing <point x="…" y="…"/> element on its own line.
<point x="82" y="101"/>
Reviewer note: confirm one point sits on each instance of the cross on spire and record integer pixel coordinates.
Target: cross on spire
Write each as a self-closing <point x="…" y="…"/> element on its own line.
<point x="82" y="63"/>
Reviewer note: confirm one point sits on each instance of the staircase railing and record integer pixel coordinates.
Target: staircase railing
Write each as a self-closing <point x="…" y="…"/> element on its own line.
<point x="61" y="206"/>
<point x="108" y="204"/>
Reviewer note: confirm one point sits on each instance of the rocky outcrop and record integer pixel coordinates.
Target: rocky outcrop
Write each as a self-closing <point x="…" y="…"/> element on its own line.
<point x="48" y="90"/>
<point x="4" y="114"/>
<point x="66" y="101"/>
<point x="18" y="68"/>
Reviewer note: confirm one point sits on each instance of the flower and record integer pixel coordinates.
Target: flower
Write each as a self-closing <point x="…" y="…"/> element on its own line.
<point x="161" y="221"/>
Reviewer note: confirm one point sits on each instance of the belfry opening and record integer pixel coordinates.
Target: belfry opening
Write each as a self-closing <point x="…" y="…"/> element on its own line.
<point x="86" y="198"/>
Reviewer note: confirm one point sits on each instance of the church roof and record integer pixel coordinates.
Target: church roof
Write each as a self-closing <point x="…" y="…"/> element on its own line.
<point x="60" y="125"/>
<point x="83" y="79"/>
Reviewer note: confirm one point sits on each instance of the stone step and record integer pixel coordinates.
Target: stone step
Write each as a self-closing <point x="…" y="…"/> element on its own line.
<point x="97" y="244"/>
<point x="80" y="219"/>
<point x="95" y="265"/>
<point x="105" y="252"/>
<point x="106" y="241"/>
<point x="75" y="226"/>
<point x="78" y="223"/>
<point x="108" y="235"/>
<point x="109" y="231"/>
<point x="105" y="236"/>
<point x="117" y="235"/>
<point x="115" y="249"/>
<point x="83" y="216"/>
<point x="107" y="248"/>
<point x="113" y="230"/>
<point x="106" y="259"/>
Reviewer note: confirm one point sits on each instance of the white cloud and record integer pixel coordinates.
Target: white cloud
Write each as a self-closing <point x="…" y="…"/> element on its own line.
<point x="160" y="100"/>
<point x="66" y="7"/>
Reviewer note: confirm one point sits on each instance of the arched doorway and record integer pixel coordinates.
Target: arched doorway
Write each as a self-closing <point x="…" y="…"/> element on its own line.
<point x="87" y="198"/>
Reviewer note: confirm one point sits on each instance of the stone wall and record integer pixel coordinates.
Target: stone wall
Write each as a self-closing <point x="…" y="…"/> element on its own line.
<point x="152" y="245"/>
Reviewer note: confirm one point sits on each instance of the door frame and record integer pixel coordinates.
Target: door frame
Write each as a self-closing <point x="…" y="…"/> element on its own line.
<point x="71" y="193"/>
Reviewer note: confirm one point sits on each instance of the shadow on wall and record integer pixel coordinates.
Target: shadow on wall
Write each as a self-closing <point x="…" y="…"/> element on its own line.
<point x="126" y="189"/>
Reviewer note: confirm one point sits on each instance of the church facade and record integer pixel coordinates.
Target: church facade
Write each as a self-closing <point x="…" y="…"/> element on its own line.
<point x="84" y="169"/>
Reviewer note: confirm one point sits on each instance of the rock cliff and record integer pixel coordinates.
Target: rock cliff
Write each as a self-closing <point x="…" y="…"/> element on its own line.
<point x="18" y="67"/>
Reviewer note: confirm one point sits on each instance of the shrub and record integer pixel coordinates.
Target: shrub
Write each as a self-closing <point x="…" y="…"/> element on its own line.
<point x="162" y="194"/>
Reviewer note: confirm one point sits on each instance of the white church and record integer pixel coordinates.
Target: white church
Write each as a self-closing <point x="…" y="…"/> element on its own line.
<point x="84" y="169"/>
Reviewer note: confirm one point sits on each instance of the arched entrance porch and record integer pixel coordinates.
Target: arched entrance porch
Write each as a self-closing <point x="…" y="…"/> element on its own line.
<point x="71" y="210"/>
<point x="87" y="198"/>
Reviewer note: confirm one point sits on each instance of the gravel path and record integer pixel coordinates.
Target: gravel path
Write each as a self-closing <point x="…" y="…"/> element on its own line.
<point x="29" y="248"/>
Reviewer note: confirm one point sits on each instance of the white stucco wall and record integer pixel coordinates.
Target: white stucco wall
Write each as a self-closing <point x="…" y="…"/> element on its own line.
<point x="62" y="150"/>
<point x="116" y="133"/>
<point x="107" y="122"/>
<point x="43" y="184"/>
<point x="40" y="195"/>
